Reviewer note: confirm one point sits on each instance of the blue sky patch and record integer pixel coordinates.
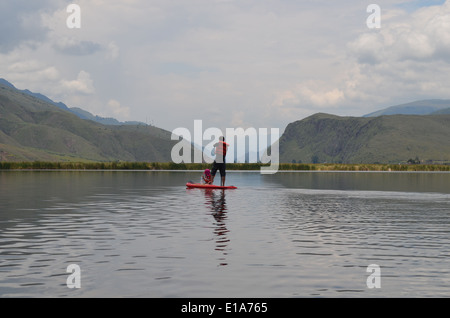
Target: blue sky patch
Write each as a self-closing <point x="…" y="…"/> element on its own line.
<point x="411" y="6"/>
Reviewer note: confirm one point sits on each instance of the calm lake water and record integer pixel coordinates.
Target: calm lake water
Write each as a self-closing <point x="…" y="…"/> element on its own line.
<point x="292" y="234"/>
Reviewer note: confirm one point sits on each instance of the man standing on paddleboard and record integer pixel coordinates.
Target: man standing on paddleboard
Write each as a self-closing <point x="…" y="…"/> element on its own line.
<point x="219" y="164"/>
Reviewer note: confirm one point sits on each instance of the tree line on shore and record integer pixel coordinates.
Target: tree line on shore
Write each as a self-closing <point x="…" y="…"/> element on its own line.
<point x="123" y="165"/>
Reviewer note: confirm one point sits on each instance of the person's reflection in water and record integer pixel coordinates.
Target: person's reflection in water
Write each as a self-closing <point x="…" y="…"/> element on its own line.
<point x="216" y="198"/>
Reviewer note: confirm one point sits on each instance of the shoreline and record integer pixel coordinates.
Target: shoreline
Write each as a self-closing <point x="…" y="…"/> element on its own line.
<point x="170" y="166"/>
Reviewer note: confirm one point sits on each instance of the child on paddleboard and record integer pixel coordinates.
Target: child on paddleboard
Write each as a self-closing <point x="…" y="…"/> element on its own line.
<point x="206" y="177"/>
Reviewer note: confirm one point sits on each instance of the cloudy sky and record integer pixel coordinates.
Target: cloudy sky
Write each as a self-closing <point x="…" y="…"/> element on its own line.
<point x="230" y="63"/>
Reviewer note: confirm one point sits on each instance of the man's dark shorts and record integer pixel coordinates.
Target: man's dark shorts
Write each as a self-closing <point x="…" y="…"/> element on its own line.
<point x="218" y="166"/>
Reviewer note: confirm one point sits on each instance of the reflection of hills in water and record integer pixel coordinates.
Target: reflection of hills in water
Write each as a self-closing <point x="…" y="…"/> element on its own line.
<point x="364" y="181"/>
<point x="215" y="200"/>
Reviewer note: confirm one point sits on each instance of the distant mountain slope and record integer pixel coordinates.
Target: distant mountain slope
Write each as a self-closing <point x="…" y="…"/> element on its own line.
<point x="384" y="139"/>
<point x="423" y="107"/>
<point x="34" y="129"/>
<point x="83" y="114"/>
<point x="442" y="111"/>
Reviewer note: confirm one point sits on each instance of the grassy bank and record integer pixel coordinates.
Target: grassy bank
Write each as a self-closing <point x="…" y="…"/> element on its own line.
<point x="38" y="165"/>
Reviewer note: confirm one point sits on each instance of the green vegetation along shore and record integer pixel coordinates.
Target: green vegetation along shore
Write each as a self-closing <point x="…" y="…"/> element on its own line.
<point x="39" y="165"/>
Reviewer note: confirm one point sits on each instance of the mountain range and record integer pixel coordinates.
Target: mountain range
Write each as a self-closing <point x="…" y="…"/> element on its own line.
<point x="33" y="127"/>
<point x="81" y="113"/>
<point x="422" y="107"/>
<point x="397" y="138"/>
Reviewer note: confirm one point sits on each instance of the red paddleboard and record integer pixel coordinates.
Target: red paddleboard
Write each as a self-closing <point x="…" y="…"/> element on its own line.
<point x="208" y="186"/>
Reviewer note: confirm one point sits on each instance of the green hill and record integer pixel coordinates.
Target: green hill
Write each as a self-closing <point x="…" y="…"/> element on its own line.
<point x="33" y="129"/>
<point x="385" y="139"/>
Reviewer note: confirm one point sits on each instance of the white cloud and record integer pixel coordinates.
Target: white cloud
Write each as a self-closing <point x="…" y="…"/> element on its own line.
<point x="423" y="35"/>
<point x="118" y="110"/>
<point x="26" y="72"/>
<point x="407" y="59"/>
<point x="82" y="85"/>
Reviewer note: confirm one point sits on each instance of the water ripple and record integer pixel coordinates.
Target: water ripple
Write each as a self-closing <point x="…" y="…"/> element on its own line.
<point x="134" y="237"/>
